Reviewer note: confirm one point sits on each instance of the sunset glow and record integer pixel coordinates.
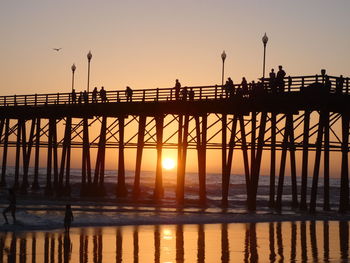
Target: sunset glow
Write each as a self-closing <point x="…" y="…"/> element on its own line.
<point x="168" y="164"/>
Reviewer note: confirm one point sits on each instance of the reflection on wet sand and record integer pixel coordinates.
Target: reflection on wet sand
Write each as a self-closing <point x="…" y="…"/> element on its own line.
<point x="252" y="242"/>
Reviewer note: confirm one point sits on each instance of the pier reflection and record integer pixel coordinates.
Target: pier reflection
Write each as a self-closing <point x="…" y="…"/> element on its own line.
<point x="252" y="242"/>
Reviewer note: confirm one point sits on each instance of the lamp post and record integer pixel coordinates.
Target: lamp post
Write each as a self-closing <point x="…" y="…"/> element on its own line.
<point x="89" y="56"/>
<point x="223" y="57"/>
<point x="73" y="71"/>
<point x="264" y="40"/>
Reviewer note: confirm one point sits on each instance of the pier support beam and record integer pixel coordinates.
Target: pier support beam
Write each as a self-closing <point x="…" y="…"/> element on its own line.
<point x="100" y="159"/>
<point x="305" y="160"/>
<point x="278" y="203"/>
<point x="121" y="187"/>
<point x="245" y="154"/>
<point x="4" y="154"/>
<point x="18" y="152"/>
<point x="201" y="136"/>
<point x="320" y="131"/>
<point x="326" y="205"/>
<point x="180" y="193"/>
<point x="344" y="180"/>
<point x="139" y="151"/>
<point x="26" y="155"/>
<point x="255" y="168"/>
<point x="159" y="190"/>
<point x="86" y="163"/>
<point x="48" y="187"/>
<point x="35" y="184"/>
<point x="272" y="160"/>
<point x="228" y="165"/>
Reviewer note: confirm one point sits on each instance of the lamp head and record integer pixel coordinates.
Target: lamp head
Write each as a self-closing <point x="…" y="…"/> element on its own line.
<point x="73" y="68"/>
<point x="265" y="39"/>
<point x="89" y="55"/>
<point x="223" y="56"/>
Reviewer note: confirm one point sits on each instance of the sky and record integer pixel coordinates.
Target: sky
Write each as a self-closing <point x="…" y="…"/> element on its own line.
<point x="149" y="44"/>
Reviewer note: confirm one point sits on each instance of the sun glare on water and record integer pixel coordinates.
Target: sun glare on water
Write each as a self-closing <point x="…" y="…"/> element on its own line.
<point x="168" y="163"/>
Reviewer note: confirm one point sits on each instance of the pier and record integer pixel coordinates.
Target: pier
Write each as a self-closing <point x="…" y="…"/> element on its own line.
<point x="307" y="116"/>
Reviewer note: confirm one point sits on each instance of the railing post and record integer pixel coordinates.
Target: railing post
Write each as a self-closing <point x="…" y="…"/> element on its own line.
<point x="171" y="94"/>
<point x="118" y="99"/>
<point x="216" y="91"/>
<point x="347" y="85"/>
<point x="289" y="83"/>
<point x="302" y="82"/>
<point x="144" y="96"/>
<point x="157" y="96"/>
<point x="316" y="78"/>
<point x="58" y="98"/>
<point x="47" y="99"/>
<point x="15" y="100"/>
<point x="5" y="101"/>
<point x="200" y="93"/>
<point x="25" y="100"/>
<point x="35" y="99"/>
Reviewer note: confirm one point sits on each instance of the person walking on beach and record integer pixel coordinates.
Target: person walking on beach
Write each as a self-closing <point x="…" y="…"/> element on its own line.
<point x="12" y="206"/>
<point x="68" y="217"/>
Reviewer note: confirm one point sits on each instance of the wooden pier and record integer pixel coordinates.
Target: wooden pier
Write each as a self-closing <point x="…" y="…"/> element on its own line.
<point x="307" y="116"/>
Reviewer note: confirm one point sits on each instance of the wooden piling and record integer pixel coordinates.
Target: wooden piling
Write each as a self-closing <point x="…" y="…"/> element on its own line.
<point x="49" y="157"/>
<point x="139" y="151"/>
<point x="100" y="159"/>
<point x="180" y="189"/>
<point x="344" y="179"/>
<point x="272" y="160"/>
<point x="35" y="184"/>
<point x="226" y="178"/>
<point x="18" y="152"/>
<point x="255" y="168"/>
<point x="313" y="197"/>
<point x="158" y="190"/>
<point x="4" y="154"/>
<point x="305" y="160"/>
<point x="292" y="161"/>
<point x="121" y="187"/>
<point x="278" y="203"/>
<point x="326" y="205"/>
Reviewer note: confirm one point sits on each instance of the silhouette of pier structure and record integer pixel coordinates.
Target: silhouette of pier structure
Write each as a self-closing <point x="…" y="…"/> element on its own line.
<point x="311" y="115"/>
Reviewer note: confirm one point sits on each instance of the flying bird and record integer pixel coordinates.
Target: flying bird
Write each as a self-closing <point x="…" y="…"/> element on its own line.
<point x="57" y="49"/>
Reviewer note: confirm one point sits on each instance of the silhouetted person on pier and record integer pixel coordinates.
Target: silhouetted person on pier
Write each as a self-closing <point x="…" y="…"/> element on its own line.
<point x="86" y="96"/>
<point x="272" y="81"/>
<point x="68" y="218"/>
<point x="80" y="98"/>
<point x="103" y="94"/>
<point x="94" y="95"/>
<point x="327" y="84"/>
<point x="280" y="79"/>
<point x="339" y="85"/>
<point x="177" y="89"/>
<point x="74" y="96"/>
<point x="128" y="93"/>
<point x="184" y="93"/>
<point x="244" y="85"/>
<point x="229" y="88"/>
<point x="12" y="206"/>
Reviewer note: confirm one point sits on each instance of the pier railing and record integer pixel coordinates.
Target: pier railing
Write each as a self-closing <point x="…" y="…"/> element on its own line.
<point x="214" y="92"/>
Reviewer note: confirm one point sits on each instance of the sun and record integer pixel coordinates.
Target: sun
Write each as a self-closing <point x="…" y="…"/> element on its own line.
<point x="168" y="163"/>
